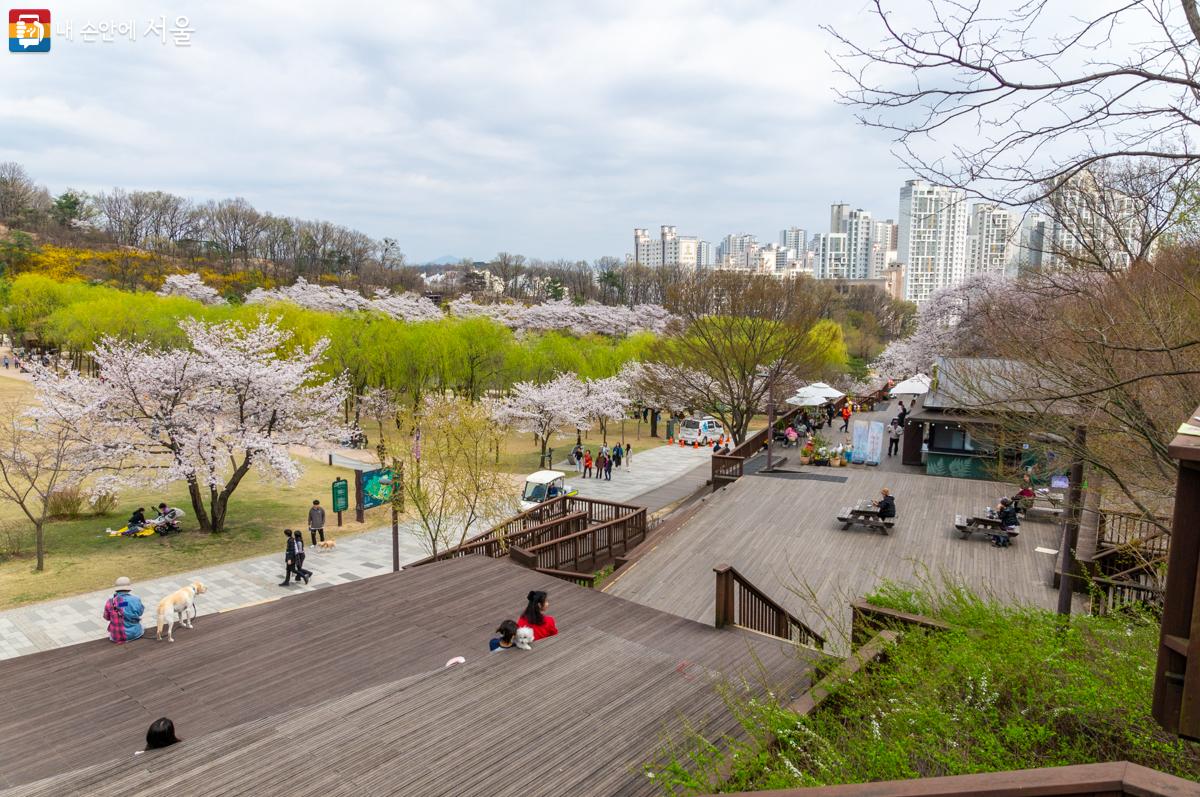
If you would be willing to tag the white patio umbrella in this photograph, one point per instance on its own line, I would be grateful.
(825, 390)
(913, 386)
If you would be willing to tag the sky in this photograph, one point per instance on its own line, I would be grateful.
(547, 128)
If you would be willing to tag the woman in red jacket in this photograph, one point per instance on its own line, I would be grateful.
(535, 616)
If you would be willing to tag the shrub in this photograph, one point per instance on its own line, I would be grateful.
(104, 502)
(15, 538)
(65, 503)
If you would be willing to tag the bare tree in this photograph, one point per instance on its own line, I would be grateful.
(36, 459)
(18, 193)
(1009, 105)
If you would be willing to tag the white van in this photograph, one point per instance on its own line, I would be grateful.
(705, 431)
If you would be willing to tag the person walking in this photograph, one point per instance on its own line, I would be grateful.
(289, 558)
(316, 522)
(846, 417)
(829, 413)
(628, 456)
(618, 454)
(895, 431)
(124, 613)
(903, 413)
(6, 362)
(587, 464)
(577, 458)
(298, 540)
(608, 466)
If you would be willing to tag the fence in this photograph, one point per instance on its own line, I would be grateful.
(593, 544)
(728, 468)
(1126, 528)
(742, 604)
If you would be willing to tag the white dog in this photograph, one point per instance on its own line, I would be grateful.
(179, 601)
(525, 638)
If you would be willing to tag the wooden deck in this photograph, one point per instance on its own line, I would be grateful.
(342, 691)
(780, 531)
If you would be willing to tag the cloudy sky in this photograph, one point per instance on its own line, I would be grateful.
(549, 128)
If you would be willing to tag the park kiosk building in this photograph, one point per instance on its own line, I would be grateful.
(957, 428)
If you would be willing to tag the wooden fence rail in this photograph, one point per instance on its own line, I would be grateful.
(742, 604)
(591, 545)
(728, 468)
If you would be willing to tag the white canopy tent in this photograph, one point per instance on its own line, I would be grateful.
(913, 386)
(814, 395)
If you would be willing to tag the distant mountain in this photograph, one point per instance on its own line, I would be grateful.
(444, 260)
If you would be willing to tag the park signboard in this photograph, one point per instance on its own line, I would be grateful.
(376, 487)
(341, 495)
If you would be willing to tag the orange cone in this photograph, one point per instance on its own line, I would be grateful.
(695, 444)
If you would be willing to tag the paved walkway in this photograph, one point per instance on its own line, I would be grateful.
(234, 585)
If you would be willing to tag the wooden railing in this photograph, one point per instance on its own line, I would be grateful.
(559, 517)
(866, 620)
(728, 468)
(1111, 779)
(591, 545)
(742, 604)
(1110, 595)
(1119, 529)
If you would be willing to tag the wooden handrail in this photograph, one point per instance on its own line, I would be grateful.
(1080, 780)
(761, 614)
(867, 619)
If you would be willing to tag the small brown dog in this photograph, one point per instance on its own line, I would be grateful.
(326, 545)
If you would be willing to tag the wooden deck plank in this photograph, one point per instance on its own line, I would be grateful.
(298, 671)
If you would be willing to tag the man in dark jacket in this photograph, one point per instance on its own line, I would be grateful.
(298, 553)
(316, 522)
(1006, 513)
(289, 559)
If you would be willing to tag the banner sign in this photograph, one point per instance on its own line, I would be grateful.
(859, 442)
(874, 443)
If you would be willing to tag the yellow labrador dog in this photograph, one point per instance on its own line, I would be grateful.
(179, 602)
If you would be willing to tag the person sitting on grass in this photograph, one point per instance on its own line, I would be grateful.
(535, 616)
(507, 632)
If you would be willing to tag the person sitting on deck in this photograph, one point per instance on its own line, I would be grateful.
(124, 613)
(886, 504)
(161, 734)
(791, 436)
(535, 616)
(507, 632)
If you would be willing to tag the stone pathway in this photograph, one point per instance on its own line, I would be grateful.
(234, 585)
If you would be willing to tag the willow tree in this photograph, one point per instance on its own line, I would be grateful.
(745, 337)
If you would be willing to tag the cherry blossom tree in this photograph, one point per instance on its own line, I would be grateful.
(543, 409)
(948, 324)
(191, 287)
(206, 414)
(332, 299)
(564, 316)
(606, 400)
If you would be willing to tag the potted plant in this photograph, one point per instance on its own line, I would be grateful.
(806, 453)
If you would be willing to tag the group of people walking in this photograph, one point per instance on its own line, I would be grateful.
(601, 466)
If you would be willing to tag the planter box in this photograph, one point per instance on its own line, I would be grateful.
(820, 462)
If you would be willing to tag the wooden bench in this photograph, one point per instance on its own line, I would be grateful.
(988, 526)
(850, 516)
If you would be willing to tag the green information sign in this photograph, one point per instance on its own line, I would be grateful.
(341, 495)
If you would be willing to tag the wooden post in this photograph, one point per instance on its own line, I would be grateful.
(359, 512)
(724, 599)
(1071, 524)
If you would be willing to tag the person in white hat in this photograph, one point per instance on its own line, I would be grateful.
(124, 613)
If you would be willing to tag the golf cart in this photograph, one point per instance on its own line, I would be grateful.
(542, 486)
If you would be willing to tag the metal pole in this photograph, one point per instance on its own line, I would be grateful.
(1070, 539)
(395, 539)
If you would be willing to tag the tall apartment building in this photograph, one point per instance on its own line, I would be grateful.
(858, 227)
(1092, 224)
(932, 238)
(704, 254)
(992, 239)
(1031, 241)
(737, 251)
(669, 249)
(794, 238)
(838, 213)
(883, 247)
(831, 257)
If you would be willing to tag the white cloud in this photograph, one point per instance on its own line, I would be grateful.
(550, 128)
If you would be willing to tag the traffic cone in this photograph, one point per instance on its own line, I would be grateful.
(682, 444)
(695, 444)
(670, 441)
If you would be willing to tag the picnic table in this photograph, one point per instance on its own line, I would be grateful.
(984, 524)
(865, 514)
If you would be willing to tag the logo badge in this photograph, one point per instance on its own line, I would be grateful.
(29, 30)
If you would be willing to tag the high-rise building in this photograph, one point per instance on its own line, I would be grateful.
(736, 251)
(858, 227)
(669, 249)
(1092, 224)
(831, 258)
(838, 213)
(1031, 241)
(992, 239)
(883, 247)
(932, 238)
(704, 254)
(794, 238)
